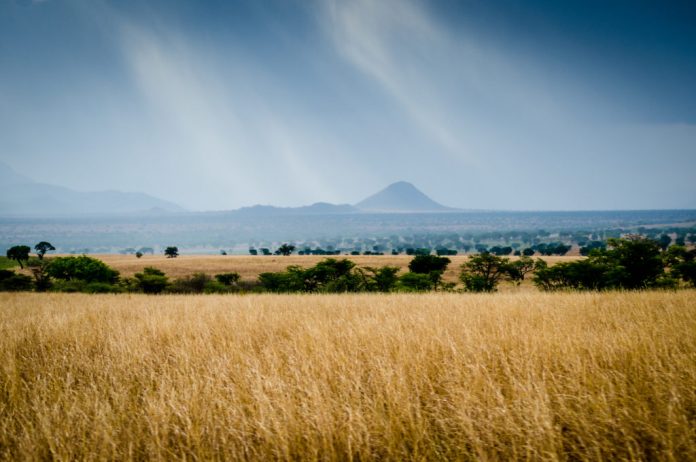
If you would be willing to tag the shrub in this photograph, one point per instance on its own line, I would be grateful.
(81, 268)
(13, 282)
(193, 284)
(227, 279)
(415, 282)
(151, 280)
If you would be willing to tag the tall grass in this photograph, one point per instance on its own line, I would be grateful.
(524, 376)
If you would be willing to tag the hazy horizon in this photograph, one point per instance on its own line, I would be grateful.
(500, 105)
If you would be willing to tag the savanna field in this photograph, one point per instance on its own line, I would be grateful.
(516, 375)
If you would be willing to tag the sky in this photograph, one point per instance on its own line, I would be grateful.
(511, 105)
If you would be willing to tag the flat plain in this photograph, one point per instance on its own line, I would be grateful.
(249, 267)
(525, 376)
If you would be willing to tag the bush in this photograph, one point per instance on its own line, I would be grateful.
(13, 282)
(382, 279)
(227, 279)
(630, 263)
(194, 284)
(415, 282)
(151, 280)
(72, 286)
(82, 268)
(330, 275)
(100, 288)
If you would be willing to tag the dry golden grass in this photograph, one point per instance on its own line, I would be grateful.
(249, 267)
(523, 376)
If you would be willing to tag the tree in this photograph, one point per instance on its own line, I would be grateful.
(286, 249)
(151, 280)
(631, 263)
(42, 280)
(253, 251)
(432, 265)
(682, 263)
(483, 272)
(138, 254)
(82, 268)
(382, 279)
(519, 268)
(227, 279)
(19, 253)
(171, 252)
(640, 257)
(43, 247)
(664, 241)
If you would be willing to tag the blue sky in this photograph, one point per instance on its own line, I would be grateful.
(482, 104)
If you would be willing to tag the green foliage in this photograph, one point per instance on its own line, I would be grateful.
(681, 263)
(19, 253)
(151, 280)
(13, 282)
(138, 254)
(227, 279)
(193, 284)
(382, 279)
(42, 247)
(286, 249)
(518, 269)
(431, 265)
(330, 275)
(586, 249)
(171, 252)
(42, 280)
(415, 282)
(639, 256)
(100, 288)
(6, 263)
(630, 263)
(81, 268)
(483, 272)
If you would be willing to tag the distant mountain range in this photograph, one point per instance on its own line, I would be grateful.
(399, 197)
(21, 196)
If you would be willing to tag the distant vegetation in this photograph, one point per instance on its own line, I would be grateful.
(629, 263)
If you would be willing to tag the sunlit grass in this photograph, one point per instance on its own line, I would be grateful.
(336, 377)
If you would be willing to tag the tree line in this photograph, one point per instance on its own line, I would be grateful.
(629, 263)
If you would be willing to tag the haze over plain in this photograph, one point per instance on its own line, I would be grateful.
(487, 105)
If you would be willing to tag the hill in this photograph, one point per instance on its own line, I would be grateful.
(21, 196)
(401, 197)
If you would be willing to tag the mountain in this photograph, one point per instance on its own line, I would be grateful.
(21, 196)
(401, 197)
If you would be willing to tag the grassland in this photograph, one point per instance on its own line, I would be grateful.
(525, 376)
(249, 267)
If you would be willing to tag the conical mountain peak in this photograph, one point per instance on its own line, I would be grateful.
(401, 196)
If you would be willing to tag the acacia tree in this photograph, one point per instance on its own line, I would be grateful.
(19, 253)
(286, 249)
(483, 272)
(43, 247)
(171, 252)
